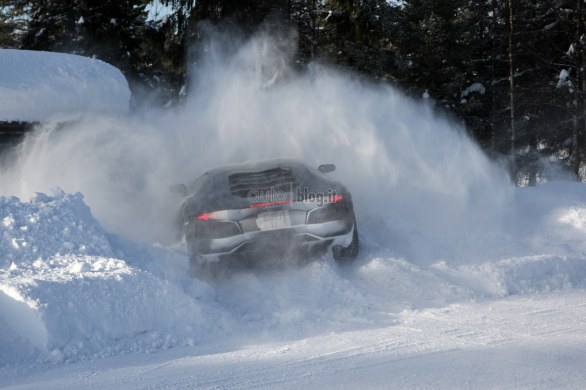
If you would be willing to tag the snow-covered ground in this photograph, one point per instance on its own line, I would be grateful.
(532, 341)
(84, 308)
(462, 281)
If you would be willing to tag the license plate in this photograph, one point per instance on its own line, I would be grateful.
(273, 220)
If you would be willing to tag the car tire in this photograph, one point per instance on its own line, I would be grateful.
(348, 254)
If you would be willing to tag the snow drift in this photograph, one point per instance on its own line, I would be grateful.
(41, 86)
(62, 290)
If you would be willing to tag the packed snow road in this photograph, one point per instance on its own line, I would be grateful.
(534, 341)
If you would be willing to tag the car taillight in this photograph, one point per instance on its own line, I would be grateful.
(333, 211)
(203, 217)
(212, 225)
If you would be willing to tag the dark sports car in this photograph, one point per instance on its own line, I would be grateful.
(267, 209)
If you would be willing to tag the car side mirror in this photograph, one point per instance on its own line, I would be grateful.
(179, 189)
(326, 168)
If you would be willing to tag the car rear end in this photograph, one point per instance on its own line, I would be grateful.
(269, 212)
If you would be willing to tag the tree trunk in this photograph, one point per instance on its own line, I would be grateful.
(575, 152)
(580, 152)
(512, 93)
(495, 51)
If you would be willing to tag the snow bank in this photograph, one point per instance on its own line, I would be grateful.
(40, 86)
(63, 293)
(49, 225)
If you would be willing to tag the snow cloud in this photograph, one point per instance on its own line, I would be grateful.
(406, 166)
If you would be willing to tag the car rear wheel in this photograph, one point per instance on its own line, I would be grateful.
(348, 254)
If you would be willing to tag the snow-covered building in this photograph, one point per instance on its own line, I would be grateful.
(37, 86)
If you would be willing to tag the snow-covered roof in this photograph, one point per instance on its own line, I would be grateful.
(40, 86)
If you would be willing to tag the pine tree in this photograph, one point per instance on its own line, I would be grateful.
(11, 23)
(435, 44)
(358, 34)
(540, 117)
(107, 29)
(570, 77)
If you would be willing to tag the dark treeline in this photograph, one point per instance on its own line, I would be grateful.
(514, 71)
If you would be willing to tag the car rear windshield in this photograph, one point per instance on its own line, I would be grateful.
(277, 179)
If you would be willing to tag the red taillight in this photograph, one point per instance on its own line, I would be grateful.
(338, 198)
(203, 217)
(267, 204)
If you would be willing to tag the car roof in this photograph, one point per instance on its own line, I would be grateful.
(256, 165)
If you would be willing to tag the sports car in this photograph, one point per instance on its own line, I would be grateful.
(273, 209)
